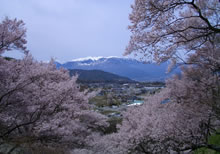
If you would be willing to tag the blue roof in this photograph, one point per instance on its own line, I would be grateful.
(165, 101)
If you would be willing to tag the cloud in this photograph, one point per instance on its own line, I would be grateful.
(72, 28)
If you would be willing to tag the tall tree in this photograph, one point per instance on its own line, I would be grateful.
(185, 113)
(39, 103)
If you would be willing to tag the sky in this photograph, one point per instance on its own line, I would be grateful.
(70, 29)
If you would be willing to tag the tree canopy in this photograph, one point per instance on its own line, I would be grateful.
(12, 35)
(185, 31)
(165, 29)
(39, 104)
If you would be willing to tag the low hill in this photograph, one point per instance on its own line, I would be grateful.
(98, 76)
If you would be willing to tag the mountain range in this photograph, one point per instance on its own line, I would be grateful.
(126, 67)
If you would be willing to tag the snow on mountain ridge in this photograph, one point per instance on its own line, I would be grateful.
(92, 58)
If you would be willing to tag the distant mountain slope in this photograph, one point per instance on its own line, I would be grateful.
(98, 76)
(126, 67)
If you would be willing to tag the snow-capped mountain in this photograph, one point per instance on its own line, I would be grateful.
(126, 67)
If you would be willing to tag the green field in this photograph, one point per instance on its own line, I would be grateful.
(214, 140)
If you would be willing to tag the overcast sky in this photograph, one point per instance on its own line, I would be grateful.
(69, 29)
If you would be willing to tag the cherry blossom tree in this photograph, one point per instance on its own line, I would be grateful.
(157, 127)
(164, 29)
(185, 113)
(37, 98)
(40, 104)
(13, 35)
